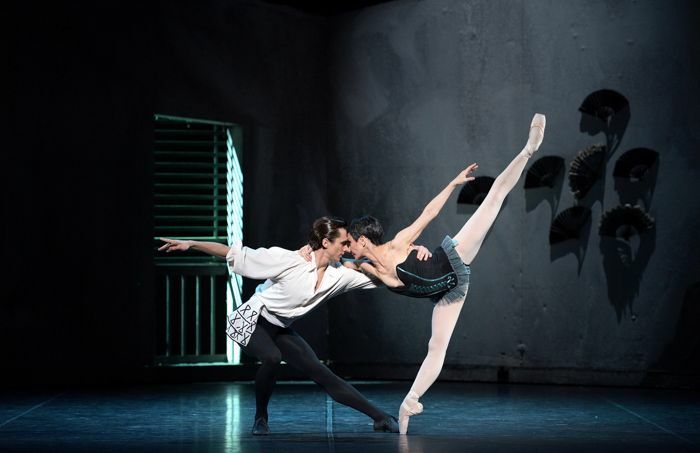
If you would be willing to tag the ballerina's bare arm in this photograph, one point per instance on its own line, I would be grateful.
(367, 267)
(423, 255)
(406, 236)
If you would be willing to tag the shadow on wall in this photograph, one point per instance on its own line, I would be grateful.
(682, 354)
(569, 233)
(543, 182)
(635, 176)
(474, 192)
(586, 175)
(628, 234)
(605, 111)
(628, 239)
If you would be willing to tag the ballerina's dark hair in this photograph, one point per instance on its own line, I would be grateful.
(325, 228)
(368, 227)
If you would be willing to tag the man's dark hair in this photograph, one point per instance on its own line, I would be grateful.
(368, 227)
(325, 228)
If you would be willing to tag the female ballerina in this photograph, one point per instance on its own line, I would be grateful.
(295, 286)
(444, 277)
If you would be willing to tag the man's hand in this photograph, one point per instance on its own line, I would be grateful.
(423, 253)
(305, 252)
(174, 245)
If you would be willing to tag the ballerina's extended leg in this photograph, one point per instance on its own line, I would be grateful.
(473, 233)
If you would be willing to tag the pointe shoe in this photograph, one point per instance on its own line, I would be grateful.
(536, 134)
(260, 427)
(388, 424)
(410, 406)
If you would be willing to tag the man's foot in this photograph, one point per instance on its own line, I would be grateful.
(260, 427)
(388, 424)
(409, 406)
(536, 134)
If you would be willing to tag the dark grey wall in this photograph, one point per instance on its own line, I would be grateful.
(420, 89)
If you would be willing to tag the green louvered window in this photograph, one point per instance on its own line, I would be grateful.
(198, 194)
(198, 179)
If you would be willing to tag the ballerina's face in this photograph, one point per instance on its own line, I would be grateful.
(355, 247)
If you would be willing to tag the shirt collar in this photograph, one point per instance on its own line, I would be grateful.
(332, 267)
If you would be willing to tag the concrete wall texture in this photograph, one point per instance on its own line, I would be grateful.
(422, 88)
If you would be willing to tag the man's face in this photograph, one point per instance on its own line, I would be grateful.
(339, 246)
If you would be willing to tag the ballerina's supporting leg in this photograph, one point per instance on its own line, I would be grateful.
(445, 317)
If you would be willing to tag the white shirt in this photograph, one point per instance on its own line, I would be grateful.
(288, 293)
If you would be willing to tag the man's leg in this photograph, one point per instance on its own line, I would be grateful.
(263, 347)
(297, 352)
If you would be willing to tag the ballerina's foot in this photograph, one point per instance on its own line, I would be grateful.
(536, 134)
(410, 406)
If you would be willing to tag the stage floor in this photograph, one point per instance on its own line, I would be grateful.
(458, 417)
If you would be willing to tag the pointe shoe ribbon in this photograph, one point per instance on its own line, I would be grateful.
(536, 134)
(410, 406)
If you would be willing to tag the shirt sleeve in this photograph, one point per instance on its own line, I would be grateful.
(261, 263)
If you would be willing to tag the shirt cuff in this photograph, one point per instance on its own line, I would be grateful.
(234, 253)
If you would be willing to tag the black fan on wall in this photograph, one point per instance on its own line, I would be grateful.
(544, 172)
(604, 105)
(569, 224)
(475, 191)
(636, 164)
(624, 222)
(586, 169)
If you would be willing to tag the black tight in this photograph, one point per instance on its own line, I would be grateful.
(270, 344)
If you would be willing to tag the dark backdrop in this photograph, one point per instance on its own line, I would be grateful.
(77, 168)
(372, 110)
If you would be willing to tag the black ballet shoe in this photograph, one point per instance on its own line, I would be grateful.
(260, 427)
(388, 424)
